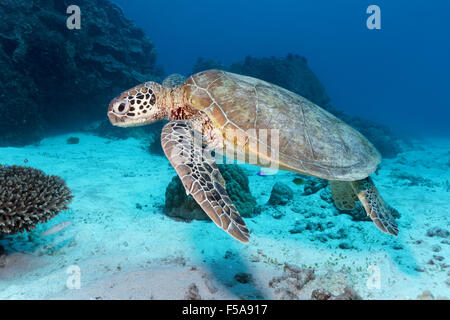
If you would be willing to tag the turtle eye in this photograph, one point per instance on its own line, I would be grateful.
(121, 107)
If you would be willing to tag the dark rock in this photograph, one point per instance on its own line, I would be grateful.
(436, 248)
(56, 79)
(320, 294)
(339, 235)
(73, 140)
(229, 254)
(178, 205)
(438, 232)
(299, 227)
(326, 196)
(193, 293)
(277, 214)
(313, 185)
(345, 245)
(242, 277)
(322, 238)
(348, 294)
(315, 226)
(419, 269)
(281, 194)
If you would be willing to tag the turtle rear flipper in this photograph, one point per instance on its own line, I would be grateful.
(187, 152)
(374, 205)
(344, 196)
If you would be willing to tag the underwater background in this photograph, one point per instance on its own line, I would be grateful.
(130, 231)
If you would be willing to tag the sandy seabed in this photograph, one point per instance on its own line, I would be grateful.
(120, 245)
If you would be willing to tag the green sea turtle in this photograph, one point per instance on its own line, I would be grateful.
(221, 111)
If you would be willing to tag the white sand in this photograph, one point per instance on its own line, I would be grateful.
(128, 253)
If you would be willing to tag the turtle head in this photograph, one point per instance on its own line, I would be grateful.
(138, 106)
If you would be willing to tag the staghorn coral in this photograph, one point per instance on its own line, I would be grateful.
(28, 196)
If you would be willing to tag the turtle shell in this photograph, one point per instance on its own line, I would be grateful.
(311, 140)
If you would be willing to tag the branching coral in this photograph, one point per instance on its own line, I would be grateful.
(28, 196)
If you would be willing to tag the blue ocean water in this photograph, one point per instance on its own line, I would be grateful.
(398, 75)
(131, 232)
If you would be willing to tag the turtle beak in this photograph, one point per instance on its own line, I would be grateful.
(115, 119)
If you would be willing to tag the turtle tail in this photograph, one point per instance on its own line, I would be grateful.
(374, 205)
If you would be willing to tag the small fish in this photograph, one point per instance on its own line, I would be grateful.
(298, 181)
(261, 174)
(57, 228)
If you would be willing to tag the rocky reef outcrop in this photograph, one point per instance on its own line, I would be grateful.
(281, 194)
(180, 206)
(54, 78)
(293, 73)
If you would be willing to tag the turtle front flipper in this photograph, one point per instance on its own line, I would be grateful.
(188, 153)
(374, 205)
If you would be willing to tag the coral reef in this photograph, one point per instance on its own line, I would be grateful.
(28, 197)
(281, 194)
(178, 205)
(73, 140)
(56, 78)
